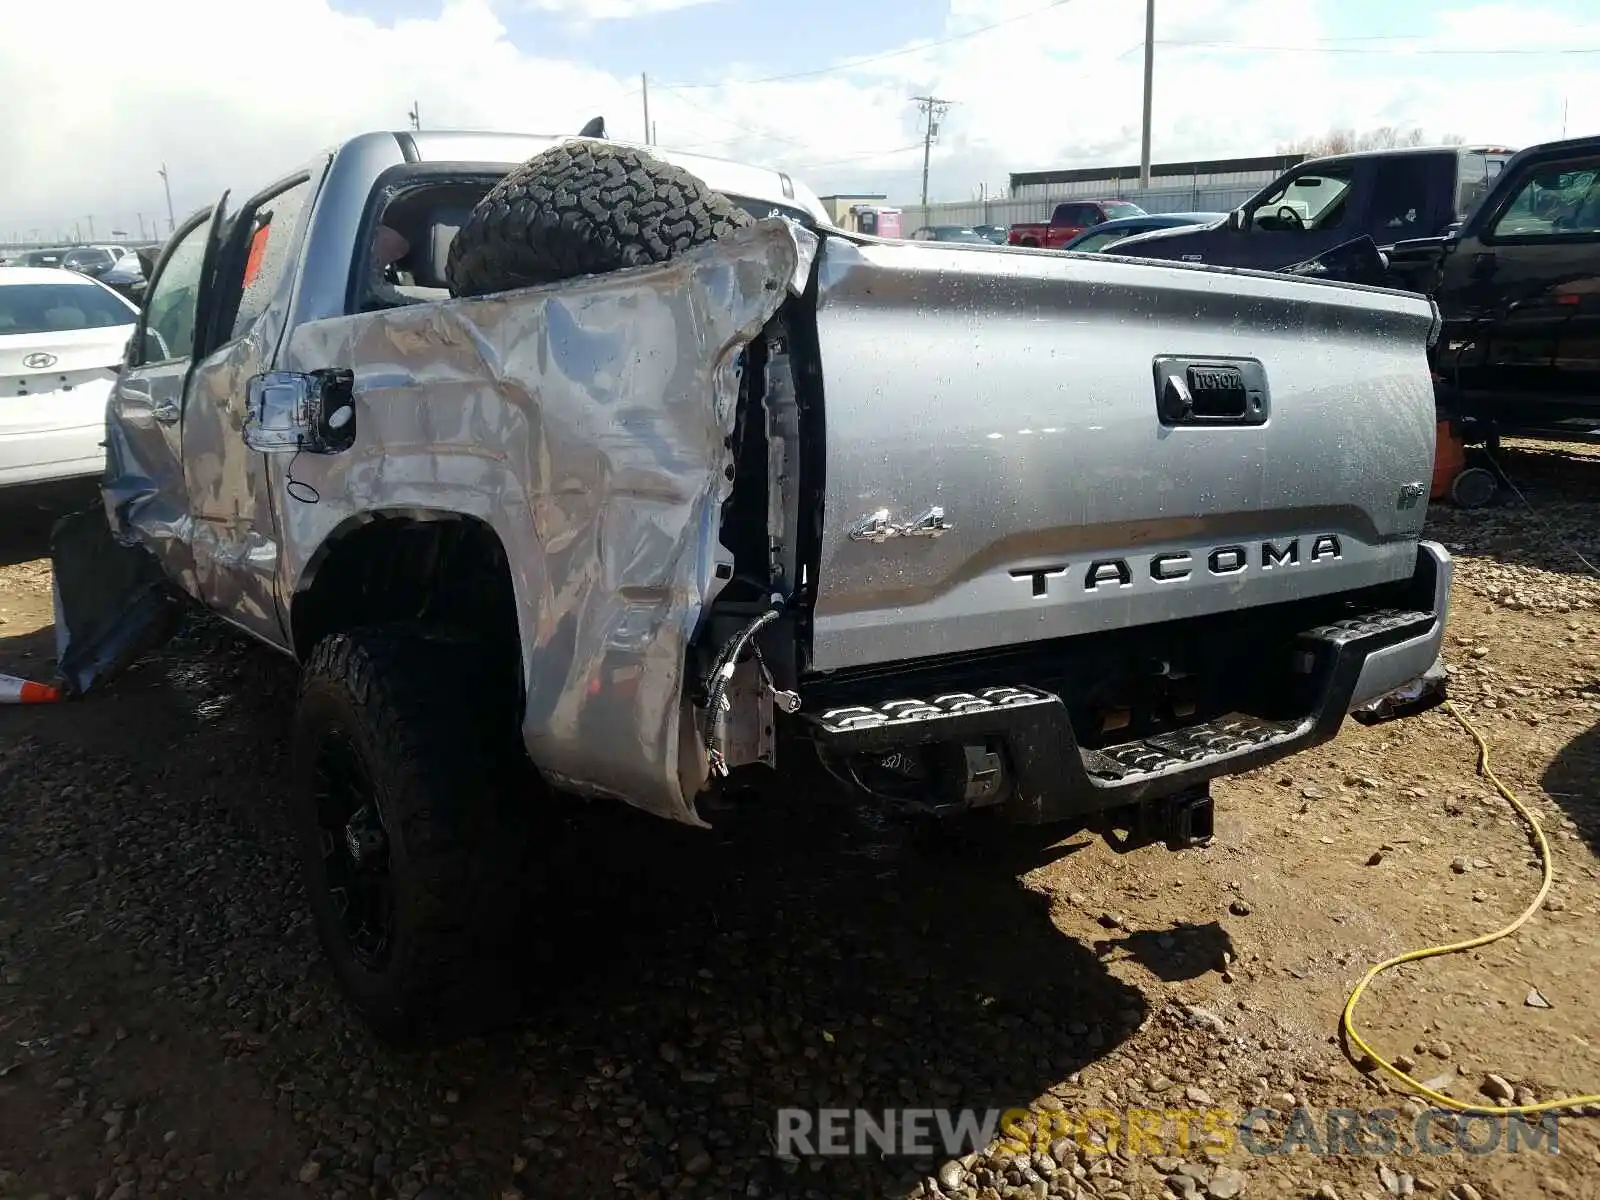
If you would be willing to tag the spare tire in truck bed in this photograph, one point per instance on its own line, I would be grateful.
(584, 208)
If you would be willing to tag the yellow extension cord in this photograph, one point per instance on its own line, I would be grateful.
(1348, 1019)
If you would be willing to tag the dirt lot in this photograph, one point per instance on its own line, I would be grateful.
(167, 1026)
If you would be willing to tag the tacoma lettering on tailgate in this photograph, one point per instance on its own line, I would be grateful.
(1174, 566)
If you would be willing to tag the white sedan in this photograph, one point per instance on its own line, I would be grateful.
(62, 339)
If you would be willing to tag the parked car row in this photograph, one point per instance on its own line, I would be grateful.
(92, 259)
(1096, 236)
(86, 260)
(976, 234)
(1106, 233)
(1069, 220)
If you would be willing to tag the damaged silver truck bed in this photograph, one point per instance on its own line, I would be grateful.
(1060, 536)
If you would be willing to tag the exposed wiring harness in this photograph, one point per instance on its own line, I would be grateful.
(721, 675)
(1347, 1021)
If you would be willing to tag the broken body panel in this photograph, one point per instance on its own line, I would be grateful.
(959, 451)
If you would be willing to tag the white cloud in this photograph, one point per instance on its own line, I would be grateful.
(228, 94)
(610, 10)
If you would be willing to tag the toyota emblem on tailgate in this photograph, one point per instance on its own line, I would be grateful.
(39, 361)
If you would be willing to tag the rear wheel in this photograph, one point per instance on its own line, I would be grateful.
(412, 813)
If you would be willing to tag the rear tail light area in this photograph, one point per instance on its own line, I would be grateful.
(38, 383)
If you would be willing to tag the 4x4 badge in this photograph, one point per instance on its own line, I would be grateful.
(878, 527)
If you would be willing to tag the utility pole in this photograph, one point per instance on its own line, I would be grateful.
(1149, 89)
(166, 182)
(644, 90)
(90, 219)
(141, 225)
(932, 109)
(415, 115)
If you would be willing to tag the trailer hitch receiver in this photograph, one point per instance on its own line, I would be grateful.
(1181, 821)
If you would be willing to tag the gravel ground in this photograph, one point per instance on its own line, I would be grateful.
(168, 1027)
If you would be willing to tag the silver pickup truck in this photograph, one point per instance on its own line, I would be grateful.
(630, 465)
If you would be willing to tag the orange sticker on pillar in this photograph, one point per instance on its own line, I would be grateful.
(258, 248)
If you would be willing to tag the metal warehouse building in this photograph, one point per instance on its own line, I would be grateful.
(1212, 175)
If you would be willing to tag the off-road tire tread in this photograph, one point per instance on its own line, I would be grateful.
(584, 208)
(432, 709)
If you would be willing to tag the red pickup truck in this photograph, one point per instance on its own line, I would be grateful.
(1069, 220)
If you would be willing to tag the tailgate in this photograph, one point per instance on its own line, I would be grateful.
(1022, 394)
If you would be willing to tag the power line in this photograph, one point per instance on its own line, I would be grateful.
(852, 64)
(855, 158)
(716, 116)
(1326, 49)
(932, 109)
(765, 135)
(800, 161)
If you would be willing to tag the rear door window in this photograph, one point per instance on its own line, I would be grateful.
(1474, 174)
(1402, 197)
(174, 299)
(88, 259)
(272, 241)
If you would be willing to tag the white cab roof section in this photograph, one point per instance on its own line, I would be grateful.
(719, 174)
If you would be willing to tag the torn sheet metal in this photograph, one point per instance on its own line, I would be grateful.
(112, 602)
(587, 424)
(143, 489)
(1428, 690)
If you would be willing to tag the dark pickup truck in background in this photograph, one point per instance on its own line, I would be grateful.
(1069, 220)
(1518, 289)
(1387, 195)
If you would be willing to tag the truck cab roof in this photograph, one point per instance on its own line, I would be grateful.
(1402, 152)
(725, 175)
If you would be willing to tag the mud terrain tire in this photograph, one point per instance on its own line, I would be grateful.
(584, 208)
(414, 730)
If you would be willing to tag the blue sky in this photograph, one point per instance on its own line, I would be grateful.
(704, 41)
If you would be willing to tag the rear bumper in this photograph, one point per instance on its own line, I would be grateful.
(1054, 778)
